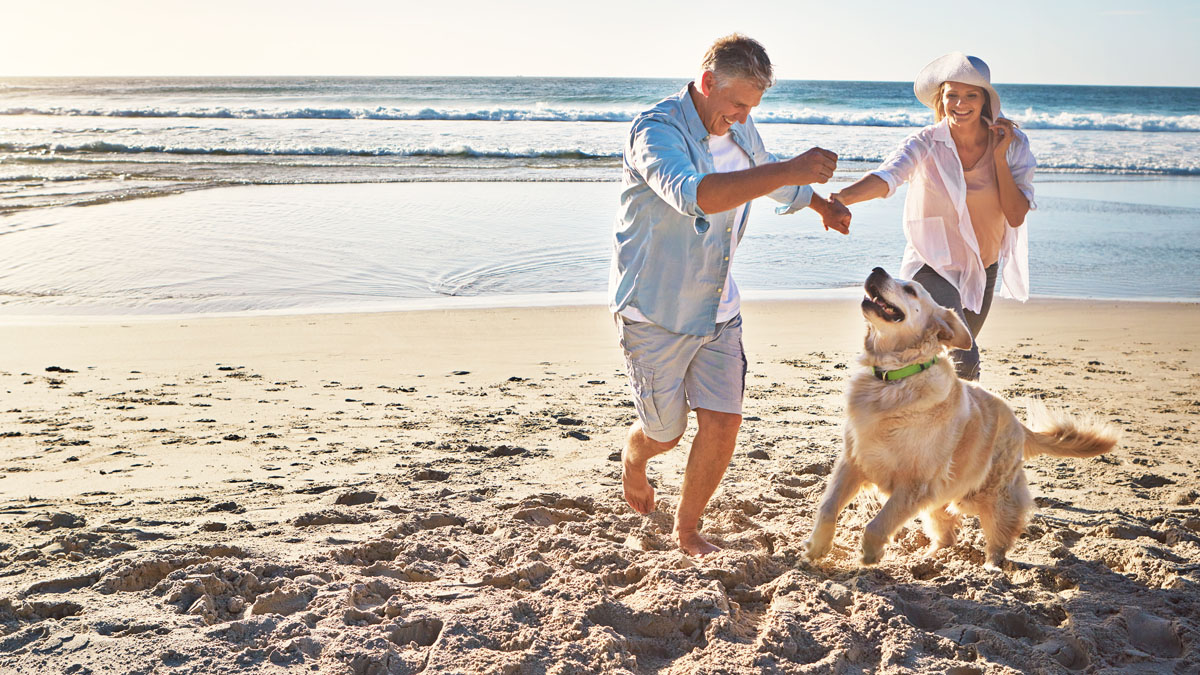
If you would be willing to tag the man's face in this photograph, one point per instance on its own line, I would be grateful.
(727, 103)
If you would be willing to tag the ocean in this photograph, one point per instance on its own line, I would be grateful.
(125, 196)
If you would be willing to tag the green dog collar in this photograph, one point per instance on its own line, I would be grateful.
(904, 372)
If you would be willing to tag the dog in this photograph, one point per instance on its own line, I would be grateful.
(931, 442)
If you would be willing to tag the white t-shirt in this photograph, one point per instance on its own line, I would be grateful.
(727, 156)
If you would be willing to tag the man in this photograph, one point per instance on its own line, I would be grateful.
(692, 164)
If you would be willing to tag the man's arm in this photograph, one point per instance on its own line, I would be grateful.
(724, 191)
(719, 192)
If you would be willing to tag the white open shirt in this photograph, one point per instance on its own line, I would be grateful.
(937, 224)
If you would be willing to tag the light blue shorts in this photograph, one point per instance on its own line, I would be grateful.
(672, 373)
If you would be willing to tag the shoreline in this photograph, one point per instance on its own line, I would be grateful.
(563, 300)
(770, 303)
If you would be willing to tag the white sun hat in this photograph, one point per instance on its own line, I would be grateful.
(955, 67)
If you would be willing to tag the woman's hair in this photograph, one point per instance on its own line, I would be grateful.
(939, 109)
(736, 57)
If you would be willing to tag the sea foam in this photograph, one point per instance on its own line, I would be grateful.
(875, 118)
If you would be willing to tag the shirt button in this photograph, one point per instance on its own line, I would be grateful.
(729, 229)
(727, 258)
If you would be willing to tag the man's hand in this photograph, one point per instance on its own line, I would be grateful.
(812, 166)
(834, 214)
(837, 217)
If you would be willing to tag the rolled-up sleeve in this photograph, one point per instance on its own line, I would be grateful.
(899, 167)
(658, 151)
(1022, 165)
(792, 197)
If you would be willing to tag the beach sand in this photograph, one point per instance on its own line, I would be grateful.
(439, 491)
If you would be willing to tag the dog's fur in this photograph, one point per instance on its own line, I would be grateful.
(934, 443)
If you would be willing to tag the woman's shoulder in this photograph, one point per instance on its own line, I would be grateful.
(930, 132)
(1020, 142)
(923, 138)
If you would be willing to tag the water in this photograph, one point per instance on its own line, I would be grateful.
(374, 192)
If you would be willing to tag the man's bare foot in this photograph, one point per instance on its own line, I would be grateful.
(693, 544)
(638, 491)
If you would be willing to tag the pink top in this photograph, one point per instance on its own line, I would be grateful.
(983, 204)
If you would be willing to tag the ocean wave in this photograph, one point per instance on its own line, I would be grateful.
(1052, 164)
(1077, 167)
(29, 177)
(874, 118)
(1113, 122)
(379, 113)
(49, 152)
(454, 151)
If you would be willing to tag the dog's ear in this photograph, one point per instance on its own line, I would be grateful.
(951, 329)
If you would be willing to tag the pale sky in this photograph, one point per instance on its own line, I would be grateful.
(1124, 42)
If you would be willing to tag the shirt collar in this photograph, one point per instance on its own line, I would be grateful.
(695, 125)
(739, 136)
(691, 117)
(941, 132)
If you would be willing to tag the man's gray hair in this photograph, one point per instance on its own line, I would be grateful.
(739, 57)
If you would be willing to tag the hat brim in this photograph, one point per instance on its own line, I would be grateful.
(953, 67)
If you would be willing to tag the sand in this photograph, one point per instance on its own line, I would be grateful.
(440, 492)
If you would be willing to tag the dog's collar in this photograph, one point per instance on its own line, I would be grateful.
(901, 373)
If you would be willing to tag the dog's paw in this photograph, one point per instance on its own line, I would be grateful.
(995, 565)
(814, 550)
(871, 554)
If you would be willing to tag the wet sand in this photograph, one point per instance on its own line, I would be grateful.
(440, 492)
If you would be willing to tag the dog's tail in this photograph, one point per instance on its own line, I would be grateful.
(1062, 435)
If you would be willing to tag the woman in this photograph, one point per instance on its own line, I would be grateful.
(972, 185)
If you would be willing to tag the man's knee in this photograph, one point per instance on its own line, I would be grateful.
(638, 435)
(721, 422)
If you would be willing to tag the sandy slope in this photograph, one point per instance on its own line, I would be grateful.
(439, 492)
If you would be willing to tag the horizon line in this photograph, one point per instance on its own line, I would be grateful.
(564, 77)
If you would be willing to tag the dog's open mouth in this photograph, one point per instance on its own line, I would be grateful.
(874, 302)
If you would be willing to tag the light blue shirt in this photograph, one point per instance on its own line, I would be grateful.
(670, 258)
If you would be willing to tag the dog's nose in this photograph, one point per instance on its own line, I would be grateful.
(878, 270)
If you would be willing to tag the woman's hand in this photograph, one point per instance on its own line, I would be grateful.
(1003, 131)
(834, 214)
(1012, 201)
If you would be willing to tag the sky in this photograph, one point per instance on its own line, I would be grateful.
(1118, 42)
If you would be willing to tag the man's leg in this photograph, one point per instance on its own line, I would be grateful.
(639, 448)
(657, 361)
(716, 437)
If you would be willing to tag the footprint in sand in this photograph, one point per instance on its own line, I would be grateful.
(1151, 634)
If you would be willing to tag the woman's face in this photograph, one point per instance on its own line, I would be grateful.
(963, 103)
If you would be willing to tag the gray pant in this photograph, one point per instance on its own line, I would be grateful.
(966, 362)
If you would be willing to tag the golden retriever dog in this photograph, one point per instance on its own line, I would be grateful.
(931, 442)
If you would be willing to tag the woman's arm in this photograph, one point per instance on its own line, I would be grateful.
(1012, 201)
(894, 172)
(866, 188)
